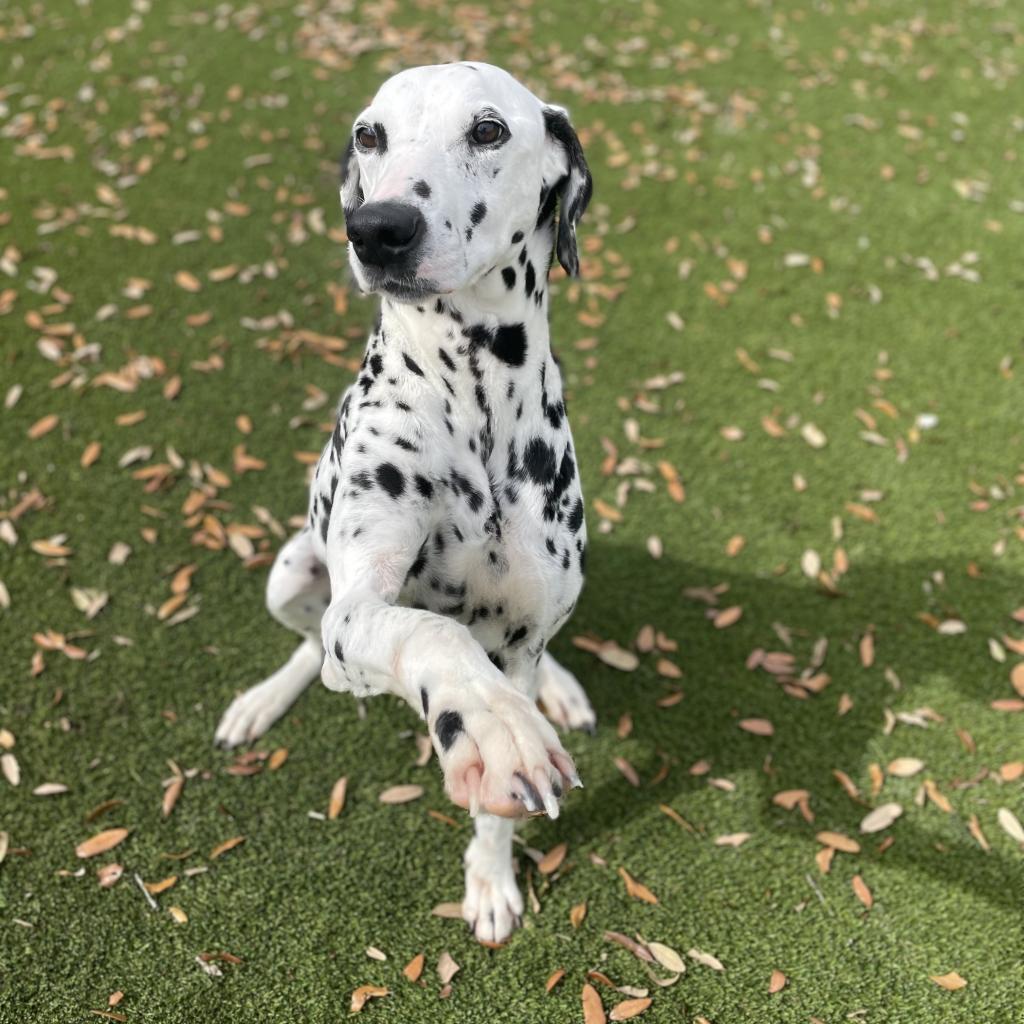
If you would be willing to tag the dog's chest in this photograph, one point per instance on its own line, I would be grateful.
(478, 455)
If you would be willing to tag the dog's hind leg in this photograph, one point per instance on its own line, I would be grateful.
(298, 591)
(563, 698)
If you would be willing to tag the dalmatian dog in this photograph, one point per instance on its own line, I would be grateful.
(445, 543)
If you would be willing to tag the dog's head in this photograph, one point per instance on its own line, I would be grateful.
(445, 168)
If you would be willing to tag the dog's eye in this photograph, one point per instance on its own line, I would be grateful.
(486, 133)
(366, 137)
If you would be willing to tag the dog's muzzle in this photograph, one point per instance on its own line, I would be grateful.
(387, 236)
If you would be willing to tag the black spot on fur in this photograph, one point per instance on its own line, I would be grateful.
(575, 520)
(382, 138)
(425, 701)
(391, 479)
(539, 461)
(531, 279)
(426, 488)
(508, 275)
(422, 189)
(338, 652)
(412, 364)
(478, 213)
(497, 661)
(448, 727)
(509, 344)
(517, 237)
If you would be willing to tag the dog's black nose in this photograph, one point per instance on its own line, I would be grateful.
(385, 234)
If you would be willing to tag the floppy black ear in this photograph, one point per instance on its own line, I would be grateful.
(351, 190)
(573, 188)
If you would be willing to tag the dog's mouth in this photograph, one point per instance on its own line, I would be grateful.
(404, 289)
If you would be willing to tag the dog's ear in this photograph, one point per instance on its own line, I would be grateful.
(567, 178)
(351, 190)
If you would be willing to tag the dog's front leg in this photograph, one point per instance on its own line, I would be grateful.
(497, 751)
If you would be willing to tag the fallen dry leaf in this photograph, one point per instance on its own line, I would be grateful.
(880, 818)
(593, 1011)
(447, 968)
(362, 995)
(861, 891)
(950, 982)
(757, 726)
(905, 767)
(1010, 824)
(401, 794)
(637, 889)
(577, 914)
(629, 1008)
(337, 801)
(667, 957)
(838, 841)
(555, 978)
(229, 844)
(101, 842)
(707, 959)
(414, 968)
(552, 860)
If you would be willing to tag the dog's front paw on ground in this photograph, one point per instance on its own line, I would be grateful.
(493, 905)
(498, 753)
(564, 700)
(250, 715)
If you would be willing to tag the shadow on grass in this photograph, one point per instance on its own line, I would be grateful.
(953, 674)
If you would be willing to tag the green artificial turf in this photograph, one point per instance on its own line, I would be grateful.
(866, 151)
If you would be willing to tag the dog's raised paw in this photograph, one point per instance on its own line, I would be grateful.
(499, 754)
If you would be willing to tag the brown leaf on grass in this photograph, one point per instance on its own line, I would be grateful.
(109, 1015)
(1017, 678)
(823, 858)
(629, 1008)
(672, 813)
(414, 968)
(733, 839)
(101, 842)
(637, 889)
(867, 649)
(727, 617)
(229, 844)
(401, 794)
(861, 891)
(43, 426)
(337, 801)
(555, 978)
(777, 982)
(707, 959)
(50, 789)
(1010, 824)
(447, 968)
(847, 783)
(974, 827)
(667, 957)
(362, 995)
(277, 758)
(552, 860)
(905, 767)
(757, 726)
(155, 888)
(950, 982)
(880, 818)
(90, 454)
(838, 841)
(627, 770)
(171, 794)
(634, 947)
(448, 911)
(937, 797)
(790, 798)
(188, 282)
(577, 914)
(109, 874)
(179, 915)
(593, 1010)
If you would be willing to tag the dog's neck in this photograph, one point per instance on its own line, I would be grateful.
(505, 310)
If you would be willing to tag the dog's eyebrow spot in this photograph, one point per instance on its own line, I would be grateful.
(382, 138)
(478, 213)
(422, 189)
